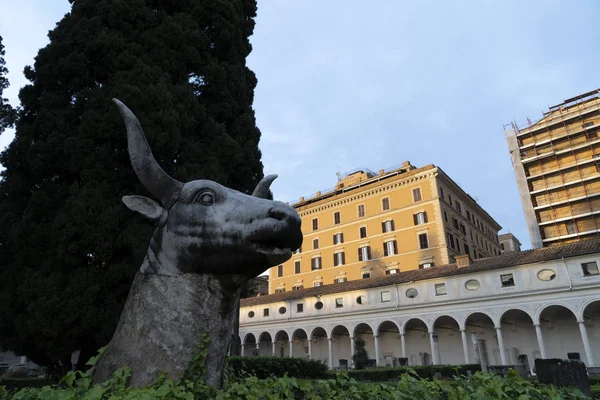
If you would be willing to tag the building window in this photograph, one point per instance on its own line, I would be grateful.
(361, 211)
(502, 246)
(364, 253)
(317, 284)
(391, 271)
(265, 312)
(315, 224)
(299, 250)
(426, 265)
(455, 223)
(385, 203)
(361, 300)
(315, 244)
(441, 192)
(297, 287)
(315, 263)
(588, 124)
(339, 259)
(457, 245)
(300, 307)
(339, 302)
(366, 275)
(297, 267)
(440, 289)
(251, 314)
(546, 275)
(336, 217)
(279, 290)
(386, 297)
(445, 216)
(462, 229)
(338, 238)
(467, 250)
(387, 226)
(390, 248)
(340, 280)
(468, 215)
(472, 284)
(590, 268)
(450, 239)
(319, 305)
(423, 241)
(416, 195)
(363, 232)
(507, 280)
(282, 310)
(280, 270)
(420, 218)
(458, 207)
(412, 293)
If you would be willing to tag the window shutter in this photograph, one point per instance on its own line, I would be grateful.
(368, 252)
(343, 258)
(392, 223)
(312, 263)
(415, 219)
(395, 247)
(425, 216)
(360, 258)
(342, 237)
(383, 227)
(385, 250)
(335, 260)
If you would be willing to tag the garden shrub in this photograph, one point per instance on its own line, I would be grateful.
(265, 367)
(423, 372)
(77, 385)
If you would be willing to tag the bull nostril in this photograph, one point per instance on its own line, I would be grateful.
(277, 214)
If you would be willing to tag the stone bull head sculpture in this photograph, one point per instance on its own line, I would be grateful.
(210, 240)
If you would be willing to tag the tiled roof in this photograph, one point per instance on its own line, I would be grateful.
(509, 259)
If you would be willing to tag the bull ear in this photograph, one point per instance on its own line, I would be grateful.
(145, 206)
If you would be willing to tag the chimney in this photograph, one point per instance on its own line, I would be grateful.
(381, 172)
(464, 260)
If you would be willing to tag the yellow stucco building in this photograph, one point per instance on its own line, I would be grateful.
(373, 224)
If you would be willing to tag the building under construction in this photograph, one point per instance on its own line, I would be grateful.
(556, 161)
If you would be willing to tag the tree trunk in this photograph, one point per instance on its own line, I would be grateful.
(162, 324)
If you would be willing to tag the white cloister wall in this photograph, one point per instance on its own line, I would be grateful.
(529, 302)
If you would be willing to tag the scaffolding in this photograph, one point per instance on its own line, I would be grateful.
(557, 165)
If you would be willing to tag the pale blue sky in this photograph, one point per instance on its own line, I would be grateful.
(343, 84)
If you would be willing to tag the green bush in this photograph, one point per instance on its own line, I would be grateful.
(265, 367)
(340, 387)
(18, 383)
(423, 372)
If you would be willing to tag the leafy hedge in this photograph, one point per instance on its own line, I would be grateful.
(423, 372)
(340, 387)
(265, 367)
(18, 383)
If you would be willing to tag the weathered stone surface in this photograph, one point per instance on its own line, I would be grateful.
(210, 240)
(162, 324)
(563, 373)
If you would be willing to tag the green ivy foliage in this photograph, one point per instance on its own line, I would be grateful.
(77, 385)
(266, 367)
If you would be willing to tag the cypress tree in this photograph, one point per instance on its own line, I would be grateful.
(360, 357)
(68, 247)
(7, 113)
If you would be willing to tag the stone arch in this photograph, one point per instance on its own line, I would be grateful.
(363, 325)
(546, 306)
(262, 336)
(558, 321)
(584, 306)
(408, 320)
(299, 339)
(390, 345)
(437, 318)
(247, 336)
(281, 340)
(378, 328)
(298, 330)
(473, 313)
(318, 330)
(505, 310)
(319, 344)
(447, 340)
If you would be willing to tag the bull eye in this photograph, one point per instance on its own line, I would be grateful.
(206, 197)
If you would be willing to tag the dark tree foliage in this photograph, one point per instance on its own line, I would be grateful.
(360, 357)
(68, 247)
(7, 113)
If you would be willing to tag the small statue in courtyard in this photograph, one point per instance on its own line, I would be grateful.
(209, 241)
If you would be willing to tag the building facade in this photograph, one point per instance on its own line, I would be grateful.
(504, 310)
(377, 224)
(509, 242)
(556, 164)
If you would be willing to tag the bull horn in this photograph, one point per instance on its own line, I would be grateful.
(150, 174)
(262, 189)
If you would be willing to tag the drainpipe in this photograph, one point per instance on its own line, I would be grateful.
(568, 275)
(397, 296)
